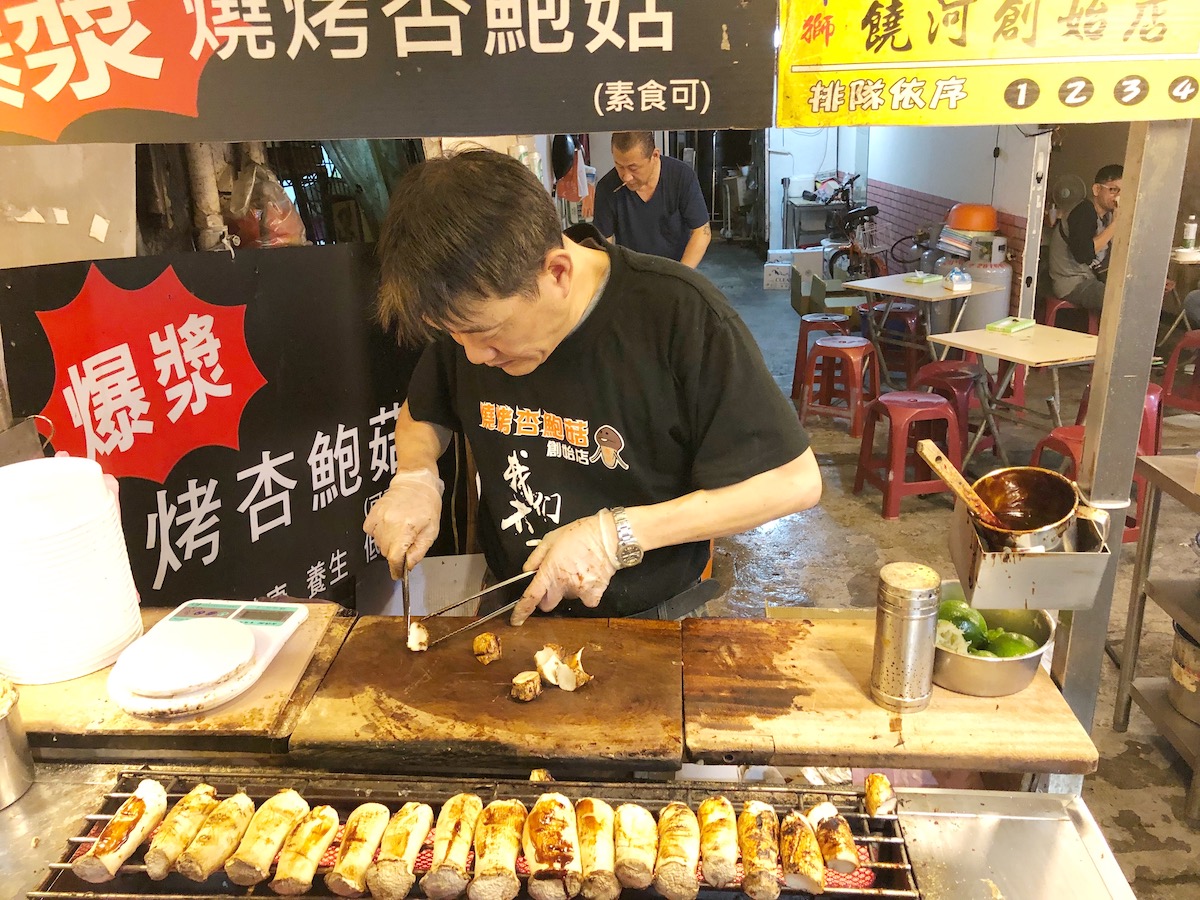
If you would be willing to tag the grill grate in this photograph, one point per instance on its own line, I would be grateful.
(881, 836)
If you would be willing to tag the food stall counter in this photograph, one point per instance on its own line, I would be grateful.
(796, 692)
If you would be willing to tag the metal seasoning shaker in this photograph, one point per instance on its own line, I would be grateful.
(905, 634)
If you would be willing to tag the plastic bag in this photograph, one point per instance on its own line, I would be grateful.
(260, 212)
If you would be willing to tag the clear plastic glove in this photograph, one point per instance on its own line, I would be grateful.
(577, 560)
(405, 521)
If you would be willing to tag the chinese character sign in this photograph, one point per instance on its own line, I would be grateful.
(144, 376)
(63, 59)
(425, 66)
(971, 62)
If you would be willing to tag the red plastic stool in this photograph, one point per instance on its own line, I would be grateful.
(904, 318)
(911, 415)
(1187, 394)
(838, 370)
(1055, 305)
(1067, 442)
(954, 380)
(813, 323)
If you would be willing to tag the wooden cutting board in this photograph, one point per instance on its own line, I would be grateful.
(384, 708)
(797, 693)
(79, 714)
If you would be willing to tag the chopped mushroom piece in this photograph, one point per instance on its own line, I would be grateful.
(526, 686)
(418, 637)
(486, 647)
(575, 664)
(548, 660)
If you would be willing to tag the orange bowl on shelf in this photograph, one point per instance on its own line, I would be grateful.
(972, 217)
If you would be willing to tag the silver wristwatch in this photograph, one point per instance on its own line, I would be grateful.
(629, 551)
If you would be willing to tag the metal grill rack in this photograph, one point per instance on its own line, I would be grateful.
(880, 835)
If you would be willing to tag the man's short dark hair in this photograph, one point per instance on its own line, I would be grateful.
(1109, 173)
(625, 141)
(460, 229)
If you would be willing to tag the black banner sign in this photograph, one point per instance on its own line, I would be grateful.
(233, 70)
(279, 507)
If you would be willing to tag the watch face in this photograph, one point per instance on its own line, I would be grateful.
(630, 555)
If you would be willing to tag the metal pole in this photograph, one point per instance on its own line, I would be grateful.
(1033, 224)
(6, 413)
(1154, 164)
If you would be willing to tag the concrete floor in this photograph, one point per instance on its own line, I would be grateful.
(830, 556)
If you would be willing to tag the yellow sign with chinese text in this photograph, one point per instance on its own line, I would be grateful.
(974, 62)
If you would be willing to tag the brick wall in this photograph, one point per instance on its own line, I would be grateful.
(902, 211)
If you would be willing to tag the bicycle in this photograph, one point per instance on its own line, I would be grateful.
(856, 228)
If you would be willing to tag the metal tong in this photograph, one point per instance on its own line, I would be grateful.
(469, 626)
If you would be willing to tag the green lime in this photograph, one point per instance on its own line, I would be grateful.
(987, 653)
(993, 633)
(1012, 644)
(950, 638)
(967, 619)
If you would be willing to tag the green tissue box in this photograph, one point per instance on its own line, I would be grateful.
(1010, 324)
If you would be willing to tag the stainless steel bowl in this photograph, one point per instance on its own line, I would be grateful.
(985, 676)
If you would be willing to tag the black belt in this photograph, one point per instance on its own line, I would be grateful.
(686, 601)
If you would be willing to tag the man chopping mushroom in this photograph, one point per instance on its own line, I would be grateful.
(619, 411)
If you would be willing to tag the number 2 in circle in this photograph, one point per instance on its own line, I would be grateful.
(1076, 91)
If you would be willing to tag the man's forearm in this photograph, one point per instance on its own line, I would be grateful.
(419, 445)
(696, 246)
(703, 515)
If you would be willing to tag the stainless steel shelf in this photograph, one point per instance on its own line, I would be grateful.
(1182, 733)
(1179, 598)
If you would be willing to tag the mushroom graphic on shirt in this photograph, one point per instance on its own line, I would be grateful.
(609, 445)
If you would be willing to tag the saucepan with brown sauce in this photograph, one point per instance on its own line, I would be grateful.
(1037, 507)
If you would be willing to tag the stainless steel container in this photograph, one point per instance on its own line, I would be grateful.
(905, 634)
(985, 676)
(1183, 688)
(16, 762)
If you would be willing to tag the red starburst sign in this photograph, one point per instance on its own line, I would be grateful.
(60, 61)
(142, 377)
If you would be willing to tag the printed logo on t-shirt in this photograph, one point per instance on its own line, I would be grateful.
(609, 445)
(565, 438)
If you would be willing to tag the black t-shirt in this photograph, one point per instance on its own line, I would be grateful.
(661, 225)
(1083, 224)
(659, 392)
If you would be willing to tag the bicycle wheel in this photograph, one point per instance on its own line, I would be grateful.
(840, 266)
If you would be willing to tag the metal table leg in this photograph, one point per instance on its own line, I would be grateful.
(987, 405)
(1137, 609)
(1056, 399)
(1181, 317)
(1191, 802)
(873, 333)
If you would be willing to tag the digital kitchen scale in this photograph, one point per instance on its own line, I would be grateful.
(205, 653)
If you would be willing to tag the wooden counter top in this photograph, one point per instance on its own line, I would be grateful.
(384, 708)
(797, 692)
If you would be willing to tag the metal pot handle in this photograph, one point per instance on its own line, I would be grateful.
(1098, 517)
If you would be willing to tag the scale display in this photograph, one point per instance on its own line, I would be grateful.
(201, 655)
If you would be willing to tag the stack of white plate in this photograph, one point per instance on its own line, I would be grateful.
(68, 605)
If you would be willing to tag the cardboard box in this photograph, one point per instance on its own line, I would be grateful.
(777, 276)
(1026, 580)
(805, 264)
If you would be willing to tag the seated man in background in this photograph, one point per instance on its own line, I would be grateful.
(652, 203)
(1080, 243)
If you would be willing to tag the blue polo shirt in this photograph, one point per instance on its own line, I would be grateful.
(661, 225)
